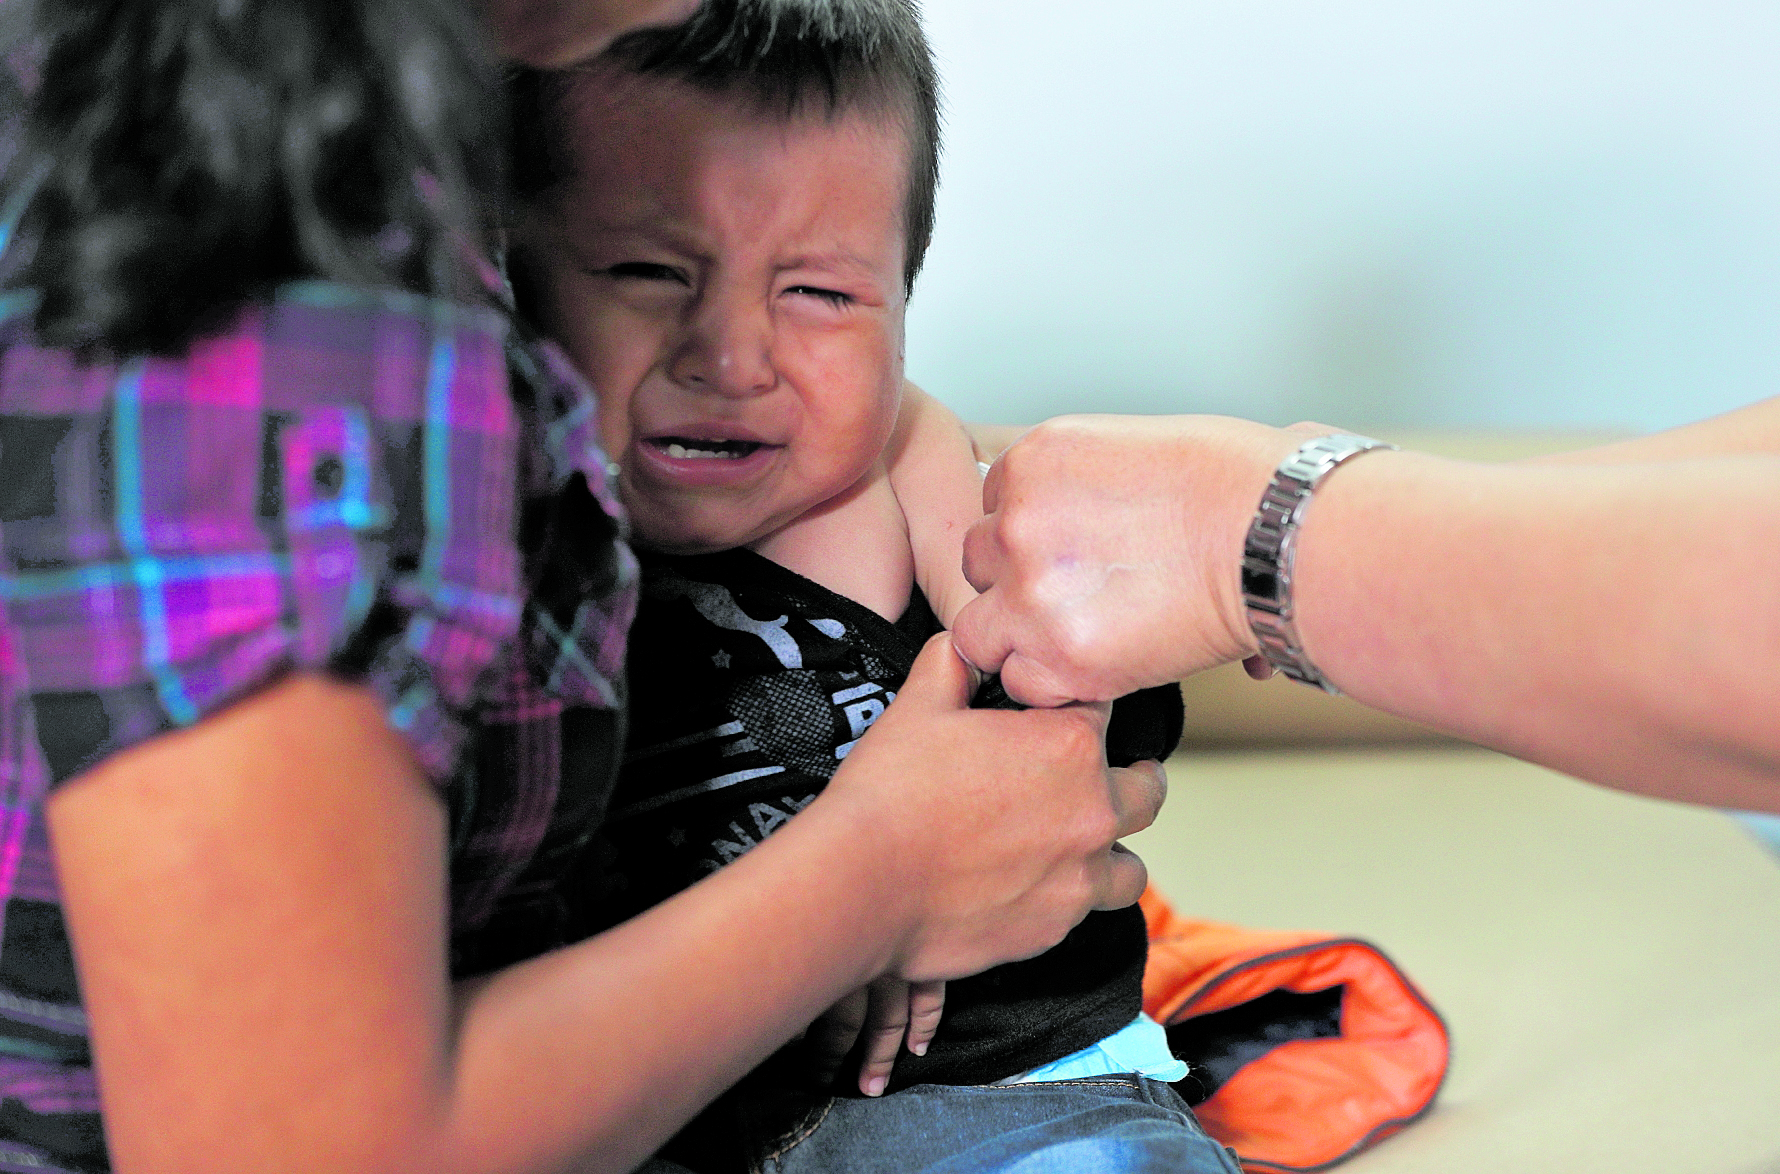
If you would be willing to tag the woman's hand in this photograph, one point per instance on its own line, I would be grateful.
(1109, 557)
(992, 832)
(1572, 611)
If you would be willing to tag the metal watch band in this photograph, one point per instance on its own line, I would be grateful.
(1272, 546)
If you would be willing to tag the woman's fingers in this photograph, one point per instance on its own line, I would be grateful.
(996, 826)
(1109, 557)
(984, 557)
(1138, 792)
(941, 681)
(1126, 878)
(983, 646)
(1035, 680)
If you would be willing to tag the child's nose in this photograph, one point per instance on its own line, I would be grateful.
(727, 351)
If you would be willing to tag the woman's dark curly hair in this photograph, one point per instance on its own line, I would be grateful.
(199, 152)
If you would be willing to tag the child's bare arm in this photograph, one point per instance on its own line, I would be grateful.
(934, 474)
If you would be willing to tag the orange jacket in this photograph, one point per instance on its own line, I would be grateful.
(1323, 1047)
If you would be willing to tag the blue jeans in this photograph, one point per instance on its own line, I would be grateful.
(1096, 1125)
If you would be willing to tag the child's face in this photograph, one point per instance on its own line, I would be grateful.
(732, 284)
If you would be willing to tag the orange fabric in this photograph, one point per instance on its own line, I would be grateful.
(1306, 1104)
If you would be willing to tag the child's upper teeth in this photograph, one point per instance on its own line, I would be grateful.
(680, 451)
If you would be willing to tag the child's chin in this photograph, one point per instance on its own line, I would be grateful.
(679, 540)
(672, 532)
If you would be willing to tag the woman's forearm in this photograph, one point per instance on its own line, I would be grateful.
(1619, 621)
(259, 920)
(258, 917)
(1746, 431)
(642, 1026)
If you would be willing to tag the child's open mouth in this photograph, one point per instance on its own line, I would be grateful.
(685, 448)
(694, 461)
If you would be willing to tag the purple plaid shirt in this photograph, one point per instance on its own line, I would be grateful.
(391, 489)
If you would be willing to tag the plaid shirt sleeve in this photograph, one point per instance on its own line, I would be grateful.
(337, 482)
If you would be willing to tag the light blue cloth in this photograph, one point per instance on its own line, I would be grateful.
(1140, 1047)
(1762, 826)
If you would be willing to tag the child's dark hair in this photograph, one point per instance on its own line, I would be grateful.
(199, 152)
(786, 55)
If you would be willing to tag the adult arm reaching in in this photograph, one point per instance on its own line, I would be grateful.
(1613, 613)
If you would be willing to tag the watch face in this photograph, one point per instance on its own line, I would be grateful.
(1262, 583)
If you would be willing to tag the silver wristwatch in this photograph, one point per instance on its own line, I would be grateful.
(1272, 546)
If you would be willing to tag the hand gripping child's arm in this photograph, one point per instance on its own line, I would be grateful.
(934, 474)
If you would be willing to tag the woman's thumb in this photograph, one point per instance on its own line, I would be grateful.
(940, 680)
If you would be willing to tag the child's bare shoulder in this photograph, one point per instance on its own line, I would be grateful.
(939, 490)
(855, 545)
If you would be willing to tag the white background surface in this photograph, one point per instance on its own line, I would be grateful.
(1381, 212)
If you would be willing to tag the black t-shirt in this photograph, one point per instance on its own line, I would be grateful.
(749, 685)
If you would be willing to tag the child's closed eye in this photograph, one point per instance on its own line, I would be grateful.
(833, 297)
(645, 271)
